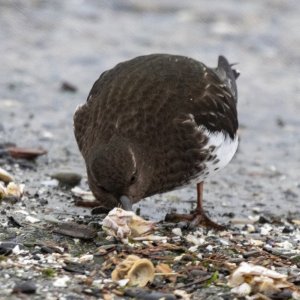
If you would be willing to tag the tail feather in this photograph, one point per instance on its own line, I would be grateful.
(228, 74)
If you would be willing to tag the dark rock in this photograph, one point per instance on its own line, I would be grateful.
(26, 287)
(143, 294)
(76, 231)
(68, 87)
(75, 267)
(100, 210)
(264, 220)
(7, 247)
(50, 249)
(288, 229)
(251, 253)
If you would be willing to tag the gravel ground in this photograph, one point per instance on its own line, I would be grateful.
(46, 43)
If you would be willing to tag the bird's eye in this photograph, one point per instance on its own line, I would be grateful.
(133, 178)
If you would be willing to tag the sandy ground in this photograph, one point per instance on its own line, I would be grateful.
(44, 43)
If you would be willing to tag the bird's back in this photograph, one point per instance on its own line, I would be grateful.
(159, 101)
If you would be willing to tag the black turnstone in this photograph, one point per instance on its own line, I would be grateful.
(157, 123)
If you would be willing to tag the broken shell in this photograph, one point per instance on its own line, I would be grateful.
(5, 176)
(257, 279)
(122, 224)
(12, 190)
(2, 191)
(26, 153)
(139, 271)
(15, 190)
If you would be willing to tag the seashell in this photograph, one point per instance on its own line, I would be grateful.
(139, 271)
(2, 191)
(15, 190)
(26, 153)
(5, 176)
(12, 190)
(122, 224)
(249, 278)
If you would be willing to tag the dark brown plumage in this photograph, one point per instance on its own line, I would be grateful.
(147, 125)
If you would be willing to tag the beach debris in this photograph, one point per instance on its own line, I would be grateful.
(84, 195)
(5, 176)
(123, 224)
(75, 230)
(139, 293)
(12, 190)
(61, 281)
(25, 287)
(252, 279)
(138, 271)
(68, 178)
(26, 153)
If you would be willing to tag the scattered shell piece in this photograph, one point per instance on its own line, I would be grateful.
(5, 176)
(122, 224)
(31, 219)
(12, 190)
(26, 153)
(138, 270)
(61, 281)
(177, 231)
(84, 195)
(251, 279)
(182, 294)
(165, 270)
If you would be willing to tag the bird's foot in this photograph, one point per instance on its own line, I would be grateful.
(195, 219)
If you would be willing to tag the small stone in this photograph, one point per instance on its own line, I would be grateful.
(288, 229)
(263, 220)
(26, 287)
(68, 87)
(6, 248)
(68, 178)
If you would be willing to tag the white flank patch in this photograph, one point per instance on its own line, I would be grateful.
(225, 149)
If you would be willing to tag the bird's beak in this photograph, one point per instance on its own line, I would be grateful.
(126, 203)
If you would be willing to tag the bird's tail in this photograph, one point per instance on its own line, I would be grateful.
(228, 74)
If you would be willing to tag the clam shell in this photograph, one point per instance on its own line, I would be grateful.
(138, 270)
(122, 224)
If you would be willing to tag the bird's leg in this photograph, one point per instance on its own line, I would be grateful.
(198, 217)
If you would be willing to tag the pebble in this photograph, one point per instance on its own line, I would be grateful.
(6, 248)
(26, 287)
(68, 178)
(148, 295)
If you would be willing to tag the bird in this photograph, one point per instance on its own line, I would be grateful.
(157, 123)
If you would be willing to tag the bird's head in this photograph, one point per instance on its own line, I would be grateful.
(118, 173)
